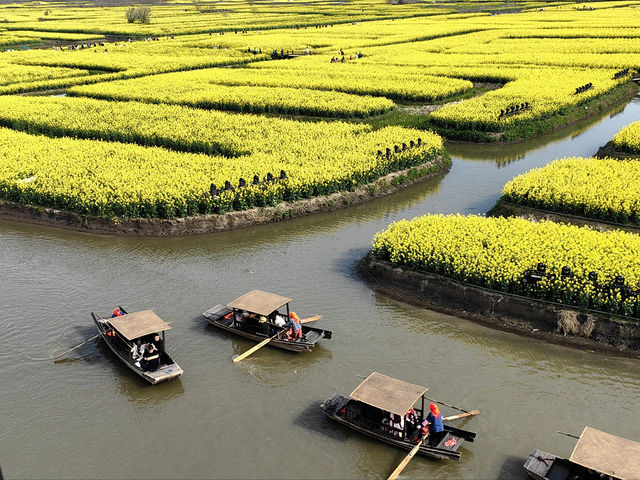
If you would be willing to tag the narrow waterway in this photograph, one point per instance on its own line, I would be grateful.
(90, 417)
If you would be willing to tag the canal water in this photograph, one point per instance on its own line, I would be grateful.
(89, 417)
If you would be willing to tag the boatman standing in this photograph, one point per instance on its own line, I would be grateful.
(433, 425)
(295, 329)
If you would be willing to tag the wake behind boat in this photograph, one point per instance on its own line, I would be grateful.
(131, 336)
(259, 315)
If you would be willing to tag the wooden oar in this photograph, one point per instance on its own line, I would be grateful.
(446, 404)
(569, 434)
(264, 342)
(407, 459)
(462, 415)
(77, 346)
(415, 449)
(253, 349)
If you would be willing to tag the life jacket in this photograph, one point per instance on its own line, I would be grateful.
(117, 312)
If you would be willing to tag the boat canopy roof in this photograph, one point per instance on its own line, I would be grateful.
(388, 394)
(138, 324)
(608, 454)
(257, 301)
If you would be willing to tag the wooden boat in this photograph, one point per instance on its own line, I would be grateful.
(122, 333)
(596, 456)
(256, 304)
(368, 408)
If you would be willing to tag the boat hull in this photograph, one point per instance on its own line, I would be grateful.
(215, 316)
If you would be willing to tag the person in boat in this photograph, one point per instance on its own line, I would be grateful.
(398, 425)
(116, 313)
(157, 341)
(263, 326)
(294, 332)
(151, 358)
(411, 420)
(137, 351)
(279, 320)
(432, 425)
(239, 318)
(393, 424)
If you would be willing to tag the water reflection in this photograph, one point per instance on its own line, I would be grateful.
(527, 354)
(511, 469)
(142, 394)
(312, 418)
(135, 389)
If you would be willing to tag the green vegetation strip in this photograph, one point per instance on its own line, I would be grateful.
(628, 139)
(605, 189)
(126, 180)
(504, 254)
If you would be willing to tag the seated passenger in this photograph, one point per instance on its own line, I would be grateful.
(398, 426)
(411, 420)
(137, 351)
(158, 343)
(263, 326)
(116, 313)
(279, 320)
(151, 358)
(239, 319)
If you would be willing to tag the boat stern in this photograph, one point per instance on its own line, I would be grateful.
(164, 373)
(538, 464)
(332, 405)
(216, 313)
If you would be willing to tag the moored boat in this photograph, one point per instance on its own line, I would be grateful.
(125, 335)
(596, 456)
(259, 315)
(370, 410)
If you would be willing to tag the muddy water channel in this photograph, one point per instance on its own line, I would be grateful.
(89, 417)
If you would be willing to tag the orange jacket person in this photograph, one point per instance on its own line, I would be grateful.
(295, 329)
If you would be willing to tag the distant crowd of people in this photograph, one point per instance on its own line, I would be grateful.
(341, 58)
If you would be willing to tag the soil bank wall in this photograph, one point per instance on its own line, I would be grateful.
(548, 321)
(507, 209)
(199, 224)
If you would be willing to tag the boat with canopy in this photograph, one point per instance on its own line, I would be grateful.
(378, 407)
(259, 315)
(125, 335)
(597, 455)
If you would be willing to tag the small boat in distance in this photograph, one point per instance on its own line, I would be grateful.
(126, 333)
(256, 315)
(370, 410)
(596, 456)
